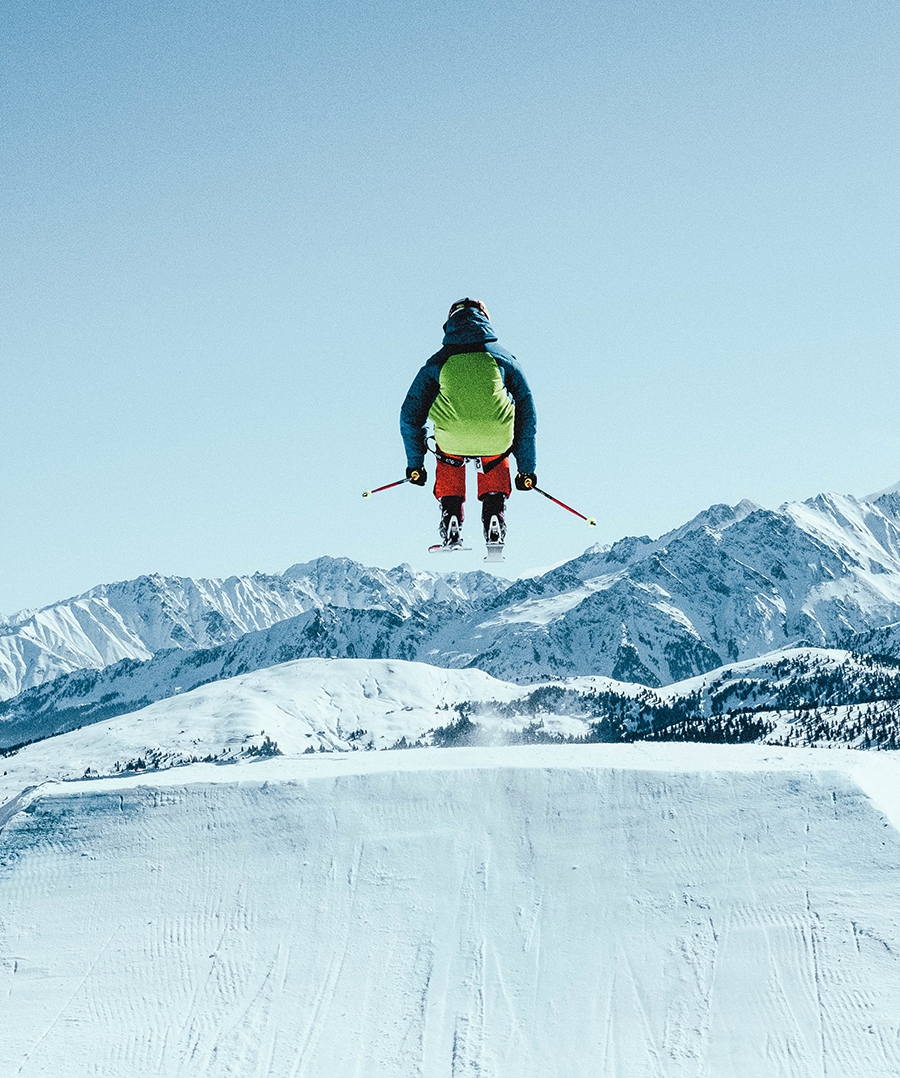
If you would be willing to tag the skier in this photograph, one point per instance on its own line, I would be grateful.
(481, 407)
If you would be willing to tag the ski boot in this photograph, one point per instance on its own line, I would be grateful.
(492, 506)
(451, 524)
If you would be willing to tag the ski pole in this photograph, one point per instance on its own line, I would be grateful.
(591, 520)
(387, 486)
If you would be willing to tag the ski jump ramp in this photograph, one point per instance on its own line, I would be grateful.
(645, 911)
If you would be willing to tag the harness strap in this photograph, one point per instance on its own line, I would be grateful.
(460, 462)
(453, 462)
(491, 464)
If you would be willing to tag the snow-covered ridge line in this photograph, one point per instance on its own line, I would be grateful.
(296, 708)
(137, 619)
(87, 697)
(879, 494)
(732, 584)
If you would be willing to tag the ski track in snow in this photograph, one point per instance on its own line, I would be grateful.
(455, 914)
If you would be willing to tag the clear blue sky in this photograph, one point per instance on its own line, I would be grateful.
(229, 234)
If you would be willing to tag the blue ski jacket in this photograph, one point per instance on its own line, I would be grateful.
(482, 409)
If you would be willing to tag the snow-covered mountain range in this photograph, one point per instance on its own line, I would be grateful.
(138, 618)
(731, 585)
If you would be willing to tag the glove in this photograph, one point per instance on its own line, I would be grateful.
(526, 481)
(417, 476)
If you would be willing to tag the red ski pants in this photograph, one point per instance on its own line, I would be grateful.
(450, 480)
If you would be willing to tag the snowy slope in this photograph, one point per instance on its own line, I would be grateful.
(790, 678)
(795, 697)
(783, 680)
(642, 912)
(884, 641)
(340, 704)
(88, 696)
(894, 488)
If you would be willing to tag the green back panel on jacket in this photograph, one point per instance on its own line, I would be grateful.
(473, 414)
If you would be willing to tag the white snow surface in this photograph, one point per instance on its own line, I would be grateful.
(308, 703)
(345, 705)
(664, 910)
(636, 911)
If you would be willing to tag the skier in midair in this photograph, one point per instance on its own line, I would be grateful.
(476, 396)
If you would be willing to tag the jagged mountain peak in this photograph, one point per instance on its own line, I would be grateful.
(419, 586)
(889, 504)
(715, 519)
(842, 522)
(733, 583)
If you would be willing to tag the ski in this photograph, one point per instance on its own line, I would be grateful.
(494, 532)
(447, 548)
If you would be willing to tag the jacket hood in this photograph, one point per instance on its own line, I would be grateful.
(468, 326)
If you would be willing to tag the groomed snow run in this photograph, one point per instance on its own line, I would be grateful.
(625, 911)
